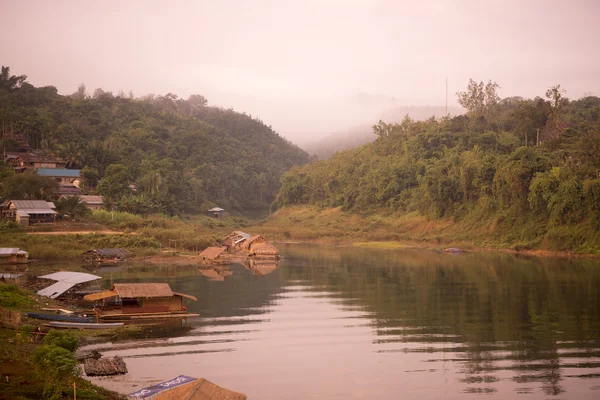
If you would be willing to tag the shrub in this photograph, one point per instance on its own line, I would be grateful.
(66, 340)
(11, 296)
(56, 365)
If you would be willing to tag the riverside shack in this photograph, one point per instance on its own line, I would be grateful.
(13, 255)
(105, 256)
(140, 301)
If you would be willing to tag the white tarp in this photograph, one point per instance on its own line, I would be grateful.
(66, 280)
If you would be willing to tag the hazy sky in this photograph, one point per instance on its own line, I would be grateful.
(300, 65)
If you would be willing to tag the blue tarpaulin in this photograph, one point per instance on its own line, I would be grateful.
(150, 391)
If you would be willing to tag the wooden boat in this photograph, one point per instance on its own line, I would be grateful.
(59, 317)
(84, 325)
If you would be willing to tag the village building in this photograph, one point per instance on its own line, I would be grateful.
(106, 256)
(13, 255)
(257, 246)
(217, 212)
(66, 190)
(27, 212)
(62, 175)
(140, 301)
(93, 202)
(21, 161)
(235, 239)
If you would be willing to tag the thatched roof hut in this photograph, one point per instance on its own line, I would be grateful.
(200, 389)
(265, 250)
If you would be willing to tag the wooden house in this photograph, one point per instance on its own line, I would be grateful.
(28, 212)
(257, 246)
(93, 202)
(106, 256)
(21, 161)
(62, 175)
(13, 255)
(125, 301)
(66, 190)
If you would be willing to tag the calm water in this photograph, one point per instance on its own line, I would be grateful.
(339, 323)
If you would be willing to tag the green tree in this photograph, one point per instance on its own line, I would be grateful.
(27, 186)
(10, 82)
(115, 182)
(73, 206)
(57, 365)
(479, 98)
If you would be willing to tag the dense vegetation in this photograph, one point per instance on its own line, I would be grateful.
(517, 166)
(145, 155)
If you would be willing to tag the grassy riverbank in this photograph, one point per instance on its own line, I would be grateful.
(143, 236)
(333, 225)
(28, 361)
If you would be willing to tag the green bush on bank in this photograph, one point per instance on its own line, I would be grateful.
(12, 296)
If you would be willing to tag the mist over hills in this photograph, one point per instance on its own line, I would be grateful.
(362, 133)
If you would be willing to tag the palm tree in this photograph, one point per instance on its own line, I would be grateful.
(10, 82)
(72, 205)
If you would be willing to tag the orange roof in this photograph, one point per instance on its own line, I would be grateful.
(212, 252)
(200, 389)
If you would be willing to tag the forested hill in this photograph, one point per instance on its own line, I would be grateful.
(179, 155)
(517, 166)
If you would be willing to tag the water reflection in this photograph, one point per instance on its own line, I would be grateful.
(357, 323)
(216, 273)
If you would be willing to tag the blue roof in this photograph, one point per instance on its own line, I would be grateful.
(61, 172)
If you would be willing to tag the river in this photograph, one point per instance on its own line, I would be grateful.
(353, 323)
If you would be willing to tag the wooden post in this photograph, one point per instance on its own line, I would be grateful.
(74, 391)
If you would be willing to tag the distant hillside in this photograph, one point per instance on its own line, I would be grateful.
(356, 136)
(522, 173)
(180, 155)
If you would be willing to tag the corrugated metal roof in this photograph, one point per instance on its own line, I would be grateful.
(72, 277)
(55, 290)
(36, 211)
(134, 290)
(67, 190)
(92, 199)
(66, 280)
(8, 251)
(60, 172)
(32, 204)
